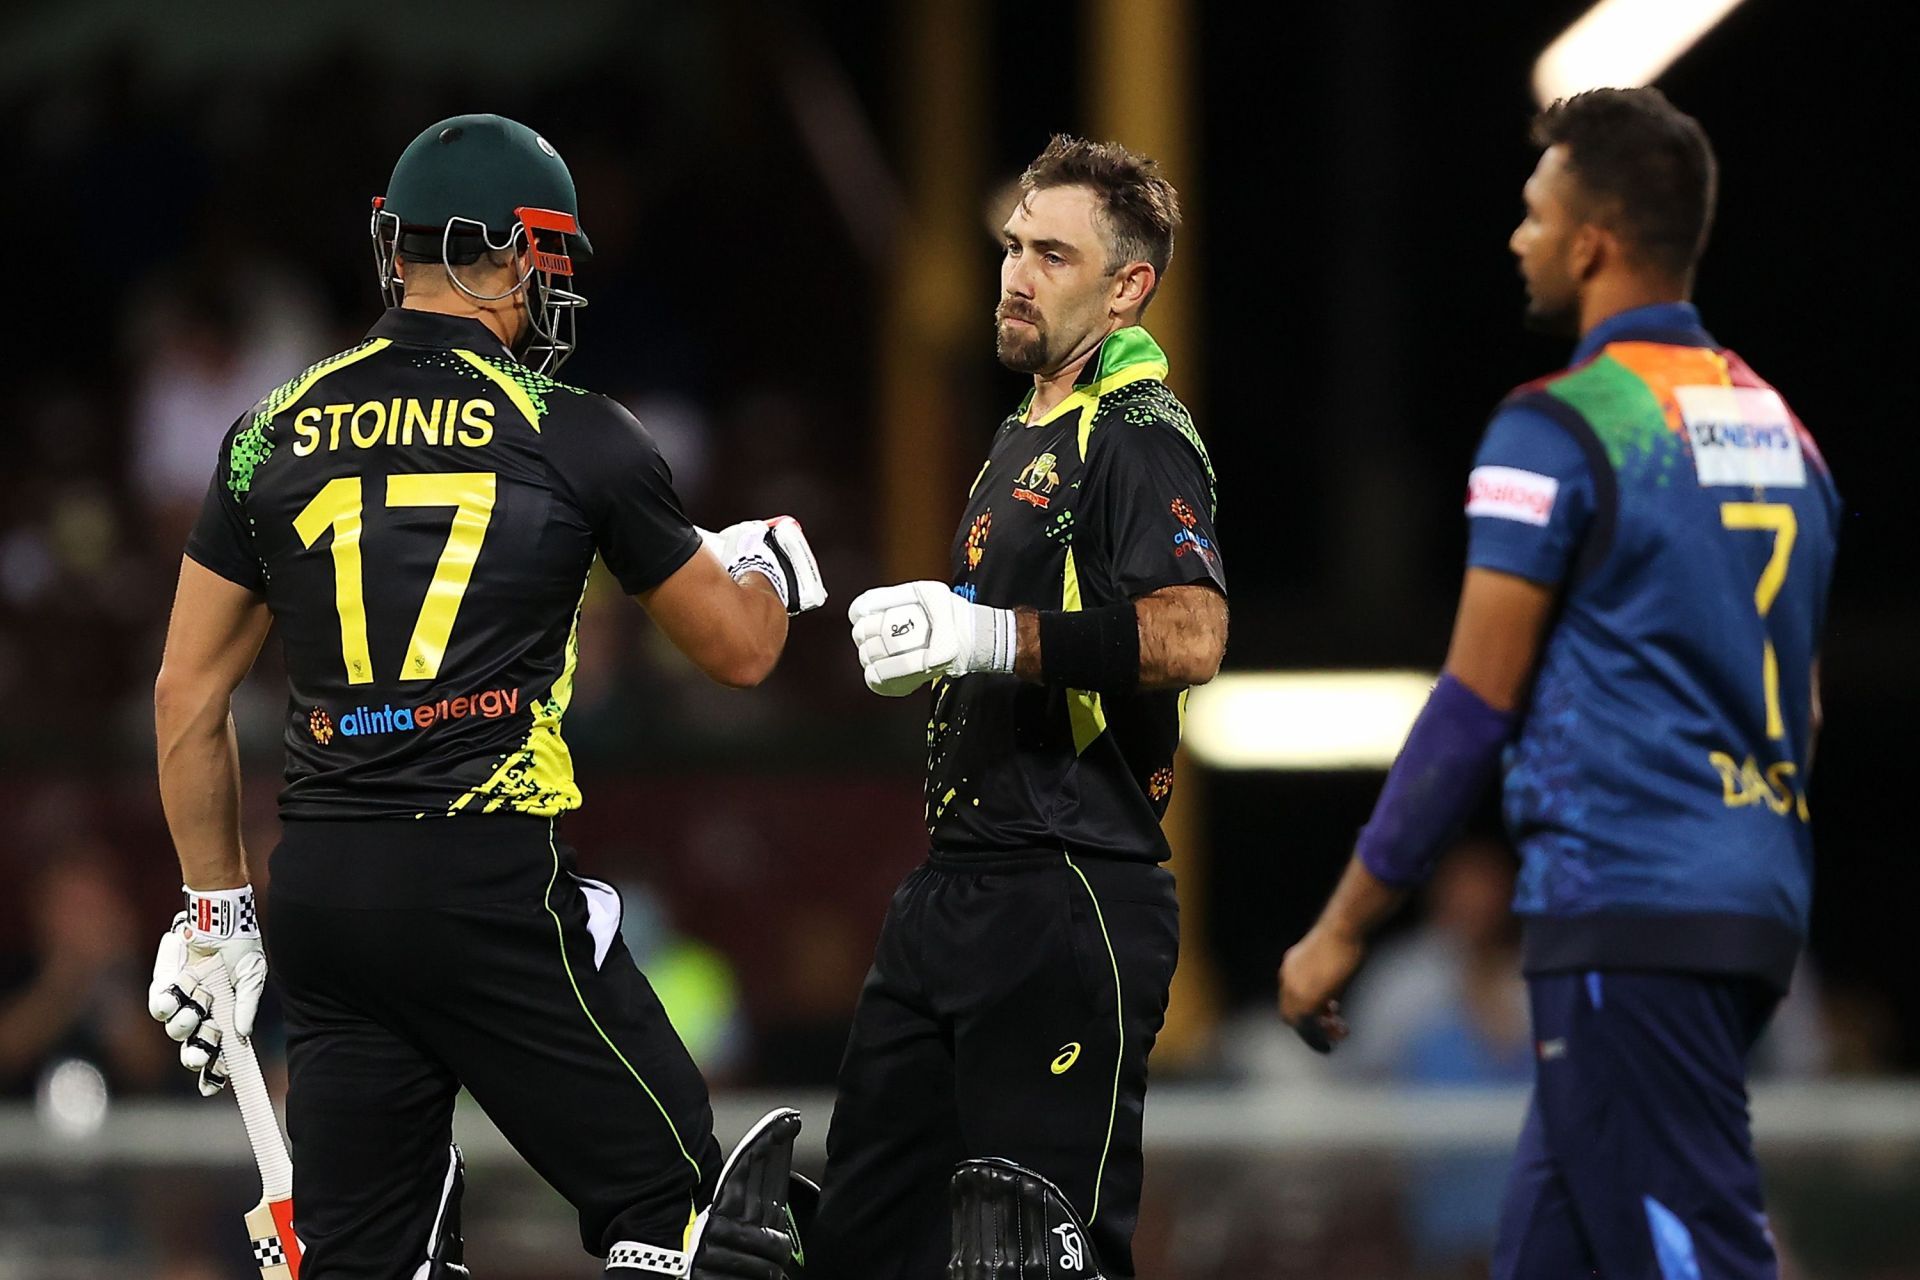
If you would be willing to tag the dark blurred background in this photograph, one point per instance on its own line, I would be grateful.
(793, 206)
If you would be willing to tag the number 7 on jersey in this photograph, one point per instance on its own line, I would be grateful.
(1778, 518)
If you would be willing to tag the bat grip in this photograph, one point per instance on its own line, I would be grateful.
(249, 1089)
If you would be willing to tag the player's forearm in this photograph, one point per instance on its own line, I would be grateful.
(1361, 903)
(200, 785)
(1181, 638)
(759, 636)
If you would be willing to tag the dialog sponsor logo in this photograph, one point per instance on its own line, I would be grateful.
(367, 722)
(1508, 493)
(1742, 436)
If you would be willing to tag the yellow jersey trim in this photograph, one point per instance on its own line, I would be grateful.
(1084, 710)
(511, 389)
(538, 778)
(281, 403)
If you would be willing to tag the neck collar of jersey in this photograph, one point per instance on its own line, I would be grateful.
(1675, 323)
(1123, 356)
(415, 328)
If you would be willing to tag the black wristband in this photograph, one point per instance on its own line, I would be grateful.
(1093, 649)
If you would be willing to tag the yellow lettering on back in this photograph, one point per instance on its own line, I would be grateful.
(416, 412)
(335, 412)
(1744, 783)
(1729, 779)
(1780, 792)
(304, 426)
(476, 423)
(367, 439)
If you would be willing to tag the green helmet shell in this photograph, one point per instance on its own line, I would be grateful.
(480, 168)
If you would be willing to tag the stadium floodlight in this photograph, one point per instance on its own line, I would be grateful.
(1622, 44)
(1304, 719)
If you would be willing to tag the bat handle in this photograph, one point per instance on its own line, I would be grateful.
(249, 1090)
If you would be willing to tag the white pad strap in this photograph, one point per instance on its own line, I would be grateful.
(631, 1255)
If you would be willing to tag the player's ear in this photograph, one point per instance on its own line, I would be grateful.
(1132, 285)
(1593, 246)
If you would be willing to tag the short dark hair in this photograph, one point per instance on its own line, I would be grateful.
(1138, 206)
(1645, 164)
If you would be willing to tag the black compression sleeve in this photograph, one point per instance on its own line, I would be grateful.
(1093, 649)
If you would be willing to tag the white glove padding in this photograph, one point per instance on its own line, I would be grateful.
(777, 550)
(805, 589)
(219, 927)
(911, 633)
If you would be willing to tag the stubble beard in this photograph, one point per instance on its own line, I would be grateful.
(1021, 348)
(1554, 317)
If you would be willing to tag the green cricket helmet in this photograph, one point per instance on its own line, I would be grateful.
(479, 183)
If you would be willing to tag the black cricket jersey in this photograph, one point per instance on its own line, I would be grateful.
(420, 513)
(1106, 498)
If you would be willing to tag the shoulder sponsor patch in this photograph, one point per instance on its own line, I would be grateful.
(1742, 436)
(1508, 493)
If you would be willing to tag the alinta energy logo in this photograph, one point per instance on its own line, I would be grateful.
(1188, 538)
(367, 722)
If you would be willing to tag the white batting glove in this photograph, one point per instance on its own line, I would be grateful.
(914, 632)
(218, 927)
(777, 550)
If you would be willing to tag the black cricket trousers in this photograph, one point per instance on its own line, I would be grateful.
(417, 957)
(1009, 1012)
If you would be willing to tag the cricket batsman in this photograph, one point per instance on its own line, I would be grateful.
(418, 516)
(990, 1101)
(1651, 541)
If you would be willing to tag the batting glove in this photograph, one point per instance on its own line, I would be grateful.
(912, 633)
(218, 927)
(777, 550)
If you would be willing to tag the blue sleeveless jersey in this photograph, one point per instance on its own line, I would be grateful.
(1658, 789)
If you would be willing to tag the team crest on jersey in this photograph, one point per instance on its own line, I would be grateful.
(320, 725)
(1036, 484)
(1742, 436)
(1160, 785)
(977, 538)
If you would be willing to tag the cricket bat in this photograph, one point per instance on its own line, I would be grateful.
(276, 1250)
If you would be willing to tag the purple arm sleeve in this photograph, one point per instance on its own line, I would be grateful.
(1446, 763)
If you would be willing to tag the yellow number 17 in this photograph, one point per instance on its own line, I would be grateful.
(338, 507)
(1778, 519)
